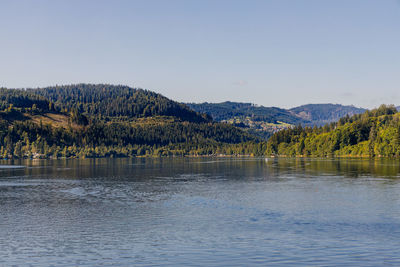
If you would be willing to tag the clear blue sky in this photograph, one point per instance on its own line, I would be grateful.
(274, 53)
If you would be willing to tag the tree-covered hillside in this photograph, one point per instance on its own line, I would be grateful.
(256, 120)
(373, 133)
(103, 100)
(102, 120)
(118, 121)
(320, 114)
(227, 110)
(264, 121)
(23, 100)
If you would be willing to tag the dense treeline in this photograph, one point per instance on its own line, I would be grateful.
(118, 121)
(23, 100)
(104, 121)
(265, 121)
(105, 101)
(227, 110)
(373, 133)
(27, 139)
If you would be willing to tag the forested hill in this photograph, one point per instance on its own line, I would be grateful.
(87, 120)
(311, 114)
(264, 121)
(117, 101)
(373, 133)
(320, 114)
(228, 110)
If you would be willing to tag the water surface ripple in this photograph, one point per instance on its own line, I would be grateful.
(200, 212)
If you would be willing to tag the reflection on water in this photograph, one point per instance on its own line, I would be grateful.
(106, 167)
(213, 212)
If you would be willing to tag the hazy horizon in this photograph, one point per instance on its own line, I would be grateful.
(273, 53)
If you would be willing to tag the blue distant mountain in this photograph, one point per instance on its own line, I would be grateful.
(263, 121)
(320, 114)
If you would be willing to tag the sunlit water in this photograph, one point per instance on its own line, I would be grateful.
(200, 212)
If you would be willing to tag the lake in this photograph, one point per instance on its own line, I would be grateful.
(200, 212)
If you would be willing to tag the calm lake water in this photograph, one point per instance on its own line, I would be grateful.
(200, 212)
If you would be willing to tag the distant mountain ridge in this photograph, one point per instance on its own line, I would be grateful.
(320, 114)
(227, 110)
(314, 114)
(264, 121)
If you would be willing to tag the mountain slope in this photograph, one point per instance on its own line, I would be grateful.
(103, 120)
(228, 110)
(117, 101)
(264, 121)
(373, 133)
(320, 114)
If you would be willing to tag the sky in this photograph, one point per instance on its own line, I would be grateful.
(281, 53)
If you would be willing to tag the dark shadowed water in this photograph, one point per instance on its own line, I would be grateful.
(200, 212)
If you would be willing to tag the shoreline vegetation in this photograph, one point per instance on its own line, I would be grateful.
(86, 120)
(375, 133)
(107, 152)
(100, 121)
